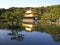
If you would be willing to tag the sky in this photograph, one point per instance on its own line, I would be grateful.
(27, 3)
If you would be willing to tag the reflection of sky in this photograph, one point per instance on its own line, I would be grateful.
(27, 3)
(30, 38)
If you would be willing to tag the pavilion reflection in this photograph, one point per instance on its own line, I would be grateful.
(29, 26)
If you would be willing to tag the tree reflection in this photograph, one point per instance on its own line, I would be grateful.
(16, 36)
(54, 31)
(56, 37)
(3, 25)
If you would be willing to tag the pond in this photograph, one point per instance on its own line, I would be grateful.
(29, 34)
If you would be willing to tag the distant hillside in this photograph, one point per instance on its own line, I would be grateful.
(44, 13)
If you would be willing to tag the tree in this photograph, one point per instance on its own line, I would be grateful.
(50, 16)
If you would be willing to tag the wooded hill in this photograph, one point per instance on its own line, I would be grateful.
(51, 13)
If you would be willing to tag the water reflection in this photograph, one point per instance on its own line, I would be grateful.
(16, 36)
(29, 26)
(38, 30)
(56, 37)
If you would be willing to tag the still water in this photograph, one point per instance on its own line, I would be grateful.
(30, 34)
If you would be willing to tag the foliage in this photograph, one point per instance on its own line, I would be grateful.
(50, 16)
(15, 14)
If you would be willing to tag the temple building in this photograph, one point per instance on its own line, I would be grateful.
(30, 16)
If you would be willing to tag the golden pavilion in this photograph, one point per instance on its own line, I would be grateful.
(30, 16)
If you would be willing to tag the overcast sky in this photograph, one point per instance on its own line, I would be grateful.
(27, 3)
